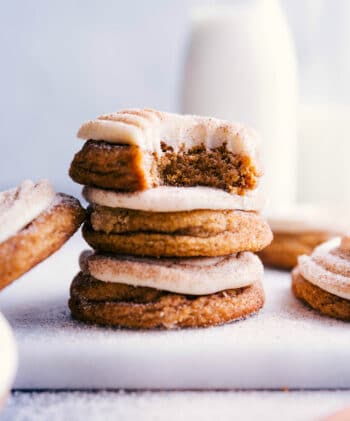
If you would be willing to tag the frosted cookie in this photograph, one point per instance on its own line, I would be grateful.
(166, 293)
(161, 232)
(34, 223)
(322, 280)
(138, 149)
(8, 359)
(299, 230)
(185, 233)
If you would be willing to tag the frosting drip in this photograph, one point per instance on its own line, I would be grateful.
(328, 268)
(195, 276)
(21, 205)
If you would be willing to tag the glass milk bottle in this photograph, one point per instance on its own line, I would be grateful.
(324, 141)
(241, 66)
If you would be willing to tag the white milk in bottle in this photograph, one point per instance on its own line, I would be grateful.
(241, 66)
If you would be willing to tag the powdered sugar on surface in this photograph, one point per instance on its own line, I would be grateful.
(285, 345)
(174, 406)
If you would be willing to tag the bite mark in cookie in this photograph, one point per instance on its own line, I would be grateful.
(139, 149)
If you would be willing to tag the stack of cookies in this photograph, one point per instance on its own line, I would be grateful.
(173, 221)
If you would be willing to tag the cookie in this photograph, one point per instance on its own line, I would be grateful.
(40, 237)
(197, 223)
(8, 360)
(285, 248)
(248, 238)
(320, 300)
(299, 229)
(146, 293)
(146, 308)
(322, 280)
(139, 149)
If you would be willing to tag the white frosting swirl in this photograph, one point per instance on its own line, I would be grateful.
(8, 357)
(328, 268)
(175, 199)
(21, 205)
(195, 276)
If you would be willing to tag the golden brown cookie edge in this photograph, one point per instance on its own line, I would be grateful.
(172, 311)
(197, 223)
(168, 245)
(322, 301)
(41, 238)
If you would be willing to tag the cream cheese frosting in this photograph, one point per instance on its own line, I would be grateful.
(21, 205)
(193, 276)
(176, 199)
(8, 357)
(328, 267)
(147, 128)
(304, 218)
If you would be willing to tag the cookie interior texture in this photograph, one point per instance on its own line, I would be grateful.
(121, 167)
(38, 240)
(120, 305)
(322, 301)
(285, 248)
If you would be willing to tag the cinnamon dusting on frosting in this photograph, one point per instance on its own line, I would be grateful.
(21, 205)
(328, 267)
(193, 276)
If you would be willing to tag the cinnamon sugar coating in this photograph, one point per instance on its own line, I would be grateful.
(38, 240)
(322, 301)
(250, 234)
(198, 223)
(145, 308)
